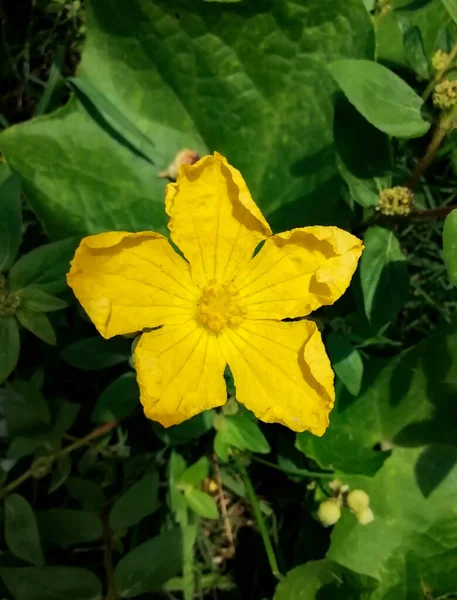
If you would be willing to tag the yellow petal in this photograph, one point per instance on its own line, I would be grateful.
(298, 271)
(281, 372)
(213, 219)
(180, 372)
(131, 281)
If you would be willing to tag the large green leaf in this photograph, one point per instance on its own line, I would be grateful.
(316, 580)
(411, 546)
(450, 245)
(10, 346)
(58, 583)
(247, 79)
(139, 501)
(65, 526)
(10, 217)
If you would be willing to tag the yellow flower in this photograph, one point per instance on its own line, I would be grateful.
(223, 305)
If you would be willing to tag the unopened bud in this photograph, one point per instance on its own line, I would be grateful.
(358, 500)
(445, 94)
(395, 201)
(329, 512)
(184, 157)
(364, 516)
(41, 466)
(440, 60)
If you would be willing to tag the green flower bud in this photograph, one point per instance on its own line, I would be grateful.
(329, 512)
(365, 516)
(445, 94)
(440, 60)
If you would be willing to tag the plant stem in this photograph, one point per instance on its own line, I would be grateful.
(303, 472)
(98, 432)
(258, 517)
(227, 526)
(439, 76)
(443, 128)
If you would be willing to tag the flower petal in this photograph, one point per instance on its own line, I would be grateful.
(298, 271)
(281, 372)
(213, 219)
(180, 372)
(130, 281)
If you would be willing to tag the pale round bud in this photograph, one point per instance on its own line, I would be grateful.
(357, 500)
(329, 512)
(365, 516)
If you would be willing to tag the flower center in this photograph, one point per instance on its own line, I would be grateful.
(219, 306)
(9, 303)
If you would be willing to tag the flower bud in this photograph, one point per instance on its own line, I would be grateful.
(395, 201)
(357, 500)
(364, 516)
(440, 60)
(184, 157)
(329, 512)
(445, 94)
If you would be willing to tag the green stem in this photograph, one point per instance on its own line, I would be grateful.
(258, 517)
(98, 432)
(303, 472)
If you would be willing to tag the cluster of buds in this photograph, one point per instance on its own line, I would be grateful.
(395, 201)
(440, 60)
(9, 303)
(445, 94)
(357, 501)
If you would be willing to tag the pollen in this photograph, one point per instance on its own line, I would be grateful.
(219, 306)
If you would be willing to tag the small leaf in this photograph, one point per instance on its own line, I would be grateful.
(10, 346)
(92, 354)
(382, 97)
(88, 493)
(62, 470)
(150, 565)
(44, 267)
(25, 409)
(312, 581)
(10, 217)
(201, 503)
(118, 400)
(38, 324)
(37, 300)
(244, 434)
(195, 474)
(139, 501)
(65, 527)
(64, 414)
(58, 583)
(346, 362)
(450, 243)
(21, 531)
(384, 275)
(415, 53)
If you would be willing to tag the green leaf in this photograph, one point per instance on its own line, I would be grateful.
(450, 245)
(64, 414)
(38, 324)
(404, 553)
(346, 361)
(21, 531)
(364, 191)
(10, 217)
(62, 470)
(243, 433)
(415, 52)
(35, 299)
(451, 7)
(201, 503)
(176, 467)
(44, 267)
(25, 408)
(118, 400)
(150, 565)
(95, 353)
(185, 432)
(88, 493)
(316, 580)
(58, 583)
(139, 501)
(195, 474)
(65, 527)
(10, 346)
(130, 135)
(383, 274)
(251, 101)
(384, 99)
